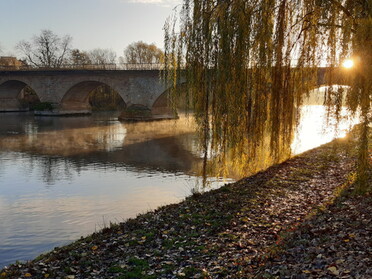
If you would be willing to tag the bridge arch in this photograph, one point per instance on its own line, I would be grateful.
(16, 95)
(77, 97)
(163, 105)
(318, 95)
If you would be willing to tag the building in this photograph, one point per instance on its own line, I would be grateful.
(11, 62)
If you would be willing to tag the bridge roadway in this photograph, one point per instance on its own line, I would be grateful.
(68, 90)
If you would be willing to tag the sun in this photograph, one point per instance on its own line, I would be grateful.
(348, 63)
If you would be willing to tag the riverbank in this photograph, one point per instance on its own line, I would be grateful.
(288, 220)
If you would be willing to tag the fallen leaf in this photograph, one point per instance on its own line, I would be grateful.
(334, 270)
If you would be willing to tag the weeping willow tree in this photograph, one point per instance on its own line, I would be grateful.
(250, 63)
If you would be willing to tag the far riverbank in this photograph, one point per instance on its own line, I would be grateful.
(269, 225)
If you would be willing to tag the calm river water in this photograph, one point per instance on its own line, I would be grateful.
(62, 178)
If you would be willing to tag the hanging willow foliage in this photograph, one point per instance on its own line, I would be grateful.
(250, 63)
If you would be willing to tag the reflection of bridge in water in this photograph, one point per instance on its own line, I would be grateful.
(167, 146)
(68, 89)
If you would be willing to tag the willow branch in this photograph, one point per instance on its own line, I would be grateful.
(334, 25)
(338, 4)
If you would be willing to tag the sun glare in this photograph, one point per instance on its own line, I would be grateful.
(348, 63)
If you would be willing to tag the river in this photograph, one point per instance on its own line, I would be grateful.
(66, 177)
(61, 178)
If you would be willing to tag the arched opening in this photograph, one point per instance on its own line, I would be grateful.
(17, 96)
(91, 95)
(105, 98)
(323, 116)
(163, 104)
(325, 94)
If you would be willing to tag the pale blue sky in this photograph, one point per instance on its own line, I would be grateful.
(92, 23)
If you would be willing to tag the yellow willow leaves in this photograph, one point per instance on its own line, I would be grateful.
(248, 64)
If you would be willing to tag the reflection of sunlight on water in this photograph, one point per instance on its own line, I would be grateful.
(314, 129)
(112, 138)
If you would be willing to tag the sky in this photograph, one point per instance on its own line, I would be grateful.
(111, 24)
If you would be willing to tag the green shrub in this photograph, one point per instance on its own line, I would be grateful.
(43, 106)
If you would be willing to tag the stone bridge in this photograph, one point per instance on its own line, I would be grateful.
(68, 90)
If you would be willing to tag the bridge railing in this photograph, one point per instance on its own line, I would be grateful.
(112, 66)
(141, 66)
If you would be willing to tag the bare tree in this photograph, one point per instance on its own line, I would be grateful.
(102, 56)
(78, 57)
(46, 49)
(140, 52)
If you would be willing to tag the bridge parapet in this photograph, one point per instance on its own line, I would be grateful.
(110, 66)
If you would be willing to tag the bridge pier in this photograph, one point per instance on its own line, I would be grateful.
(142, 113)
